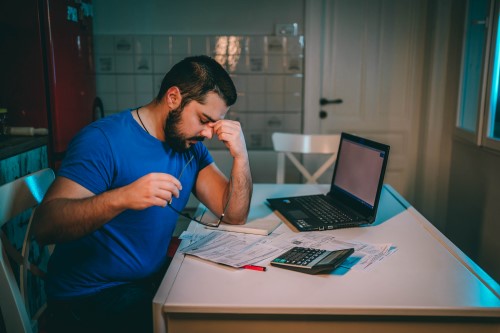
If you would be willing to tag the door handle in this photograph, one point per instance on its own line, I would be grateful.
(324, 101)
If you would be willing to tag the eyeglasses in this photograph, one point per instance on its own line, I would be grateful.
(213, 224)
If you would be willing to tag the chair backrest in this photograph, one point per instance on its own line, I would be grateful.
(286, 144)
(15, 198)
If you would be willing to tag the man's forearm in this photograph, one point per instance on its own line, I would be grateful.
(69, 211)
(239, 192)
(61, 220)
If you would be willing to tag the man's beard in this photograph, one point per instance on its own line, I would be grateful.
(173, 137)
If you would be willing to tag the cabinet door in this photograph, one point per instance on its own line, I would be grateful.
(23, 164)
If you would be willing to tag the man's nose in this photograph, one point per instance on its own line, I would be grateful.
(207, 132)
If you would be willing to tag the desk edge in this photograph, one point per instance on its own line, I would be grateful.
(468, 263)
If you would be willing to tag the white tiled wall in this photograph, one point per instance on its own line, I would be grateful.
(267, 71)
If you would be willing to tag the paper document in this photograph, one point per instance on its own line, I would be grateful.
(237, 249)
(232, 249)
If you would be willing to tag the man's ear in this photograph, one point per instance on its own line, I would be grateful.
(173, 97)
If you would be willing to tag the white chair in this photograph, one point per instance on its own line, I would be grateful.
(17, 197)
(286, 144)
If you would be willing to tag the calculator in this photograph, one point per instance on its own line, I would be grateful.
(310, 260)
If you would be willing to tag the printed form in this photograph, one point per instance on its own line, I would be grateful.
(238, 250)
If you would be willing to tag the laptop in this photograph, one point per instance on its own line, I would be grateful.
(354, 195)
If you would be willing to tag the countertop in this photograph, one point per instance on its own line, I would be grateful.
(14, 145)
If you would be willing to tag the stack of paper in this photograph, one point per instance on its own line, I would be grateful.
(237, 250)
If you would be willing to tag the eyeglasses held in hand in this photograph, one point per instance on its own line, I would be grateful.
(213, 224)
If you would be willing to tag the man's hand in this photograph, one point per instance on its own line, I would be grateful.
(154, 189)
(230, 132)
(214, 189)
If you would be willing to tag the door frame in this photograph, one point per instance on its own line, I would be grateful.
(312, 64)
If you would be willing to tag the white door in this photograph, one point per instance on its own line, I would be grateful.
(369, 55)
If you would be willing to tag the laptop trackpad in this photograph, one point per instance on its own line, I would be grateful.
(298, 214)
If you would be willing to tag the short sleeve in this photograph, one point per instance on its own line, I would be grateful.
(89, 160)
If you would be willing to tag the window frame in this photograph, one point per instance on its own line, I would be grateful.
(479, 136)
(493, 46)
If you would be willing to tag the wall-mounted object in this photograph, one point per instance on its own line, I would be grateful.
(286, 29)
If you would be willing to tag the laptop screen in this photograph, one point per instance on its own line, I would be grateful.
(360, 170)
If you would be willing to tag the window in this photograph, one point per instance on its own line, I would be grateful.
(492, 125)
(477, 118)
(472, 63)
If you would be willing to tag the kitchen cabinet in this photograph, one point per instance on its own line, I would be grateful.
(22, 164)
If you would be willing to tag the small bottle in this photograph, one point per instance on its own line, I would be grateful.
(3, 122)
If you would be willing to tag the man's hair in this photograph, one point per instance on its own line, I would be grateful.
(195, 77)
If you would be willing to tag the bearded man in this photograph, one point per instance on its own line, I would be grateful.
(114, 204)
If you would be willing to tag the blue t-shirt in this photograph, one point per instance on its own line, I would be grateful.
(111, 153)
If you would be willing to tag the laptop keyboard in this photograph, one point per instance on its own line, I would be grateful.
(322, 210)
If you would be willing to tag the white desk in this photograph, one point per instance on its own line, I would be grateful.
(428, 284)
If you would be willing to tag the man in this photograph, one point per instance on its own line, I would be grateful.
(112, 208)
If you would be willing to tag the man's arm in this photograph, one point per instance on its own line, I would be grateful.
(214, 190)
(70, 211)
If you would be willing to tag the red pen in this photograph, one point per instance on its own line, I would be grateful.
(255, 268)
